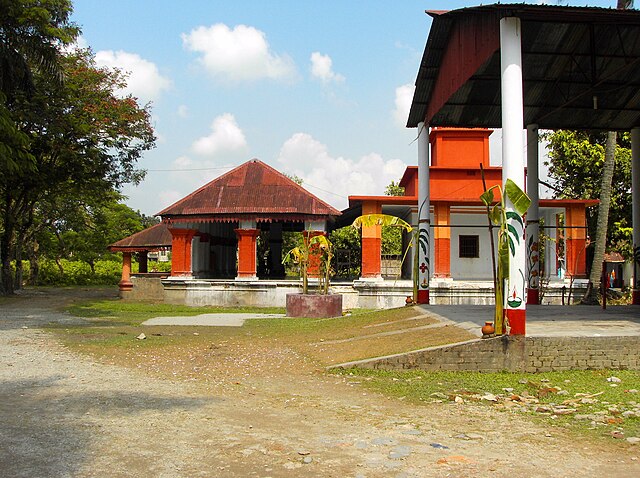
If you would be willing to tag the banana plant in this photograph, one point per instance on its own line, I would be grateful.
(508, 237)
(301, 255)
(387, 220)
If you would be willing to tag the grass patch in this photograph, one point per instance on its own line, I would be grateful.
(590, 401)
(134, 313)
(114, 326)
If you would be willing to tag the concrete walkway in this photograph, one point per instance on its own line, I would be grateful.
(211, 320)
(542, 320)
(550, 320)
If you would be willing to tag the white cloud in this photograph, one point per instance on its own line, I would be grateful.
(183, 111)
(167, 197)
(144, 82)
(404, 96)
(333, 179)
(241, 53)
(79, 44)
(321, 67)
(225, 137)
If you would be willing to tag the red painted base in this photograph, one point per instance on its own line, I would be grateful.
(517, 320)
(423, 296)
(635, 297)
(125, 285)
(533, 296)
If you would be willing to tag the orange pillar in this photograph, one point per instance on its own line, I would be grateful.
(125, 282)
(371, 244)
(575, 241)
(313, 268)
(247, 251)
(442, 235)
(181, 251)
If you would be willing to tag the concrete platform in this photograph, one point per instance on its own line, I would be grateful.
(550, 320)
(210, 320)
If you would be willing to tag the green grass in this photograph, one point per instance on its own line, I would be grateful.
(606, 401)
(112, 326)
(134, 313)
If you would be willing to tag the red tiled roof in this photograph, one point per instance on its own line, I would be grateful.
(253, 190)
(153, 238)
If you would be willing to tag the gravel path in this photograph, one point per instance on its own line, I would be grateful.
(62, 414)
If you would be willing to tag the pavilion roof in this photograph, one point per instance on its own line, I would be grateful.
(153, 238)
(580, 68)
(252, 191)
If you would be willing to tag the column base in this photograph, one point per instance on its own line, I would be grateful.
(372, 278)
(125, 285)
(533, 296)
(423, 296)
(635, 297)
(517, 321)
(246, 278)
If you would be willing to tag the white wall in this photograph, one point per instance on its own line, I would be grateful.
(471, 268)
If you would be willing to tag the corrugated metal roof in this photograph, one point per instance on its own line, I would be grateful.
(253, 190)
(153, 238)
(581, 68)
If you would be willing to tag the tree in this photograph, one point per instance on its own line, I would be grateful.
(85, 142)
(392, 236)
(31, 34)
(394, 189)
(576, 161)
(592, 293)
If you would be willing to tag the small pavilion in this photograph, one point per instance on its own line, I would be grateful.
(153, 239)
(215, 229)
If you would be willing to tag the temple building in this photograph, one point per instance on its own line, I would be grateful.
(461, 267)
(213, 235)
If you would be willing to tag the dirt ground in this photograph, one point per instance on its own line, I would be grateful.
(66, 414)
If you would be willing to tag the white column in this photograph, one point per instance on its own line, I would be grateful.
(533, 217)
(635, 209)
(513, 162)
(424, 238)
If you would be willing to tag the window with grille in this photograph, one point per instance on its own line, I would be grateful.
(469, 246)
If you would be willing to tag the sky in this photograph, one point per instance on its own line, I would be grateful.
(320, 90)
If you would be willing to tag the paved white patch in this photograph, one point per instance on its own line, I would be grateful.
(212, 320)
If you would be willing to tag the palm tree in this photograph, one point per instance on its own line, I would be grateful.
(592, 293)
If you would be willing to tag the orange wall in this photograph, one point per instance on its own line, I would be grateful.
(456, 155)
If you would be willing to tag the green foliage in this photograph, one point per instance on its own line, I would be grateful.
(394, 189)
(86, 234)
(575, 166)
(508, 237)
(77, 273)
(295, 178)
(319, 247)
(85, 142)
(345, 238)
(31, 33)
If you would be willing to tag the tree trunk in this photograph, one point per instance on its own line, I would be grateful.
(19, 269)
(34, 270)
(6, 276)
(592, 294)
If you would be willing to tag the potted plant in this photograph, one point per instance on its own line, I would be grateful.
(321, 304)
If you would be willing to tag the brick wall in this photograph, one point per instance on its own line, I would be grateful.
(517, 354)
